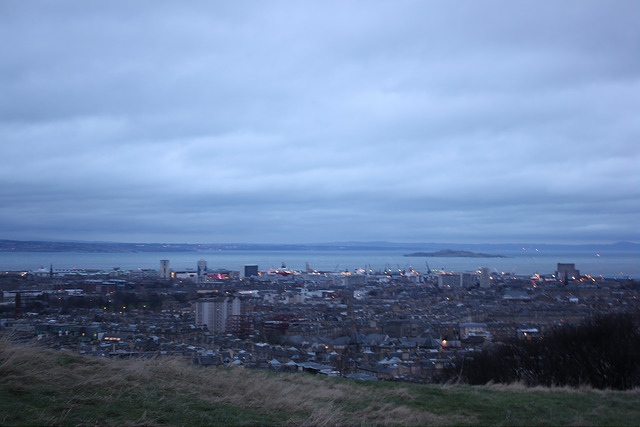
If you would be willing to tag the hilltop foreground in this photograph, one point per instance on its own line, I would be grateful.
(43, 387)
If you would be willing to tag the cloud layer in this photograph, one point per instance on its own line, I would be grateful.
(297, 122)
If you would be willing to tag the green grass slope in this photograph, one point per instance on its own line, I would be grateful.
(42, 387)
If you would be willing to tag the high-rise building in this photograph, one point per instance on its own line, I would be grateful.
(202, 271)
(485, 278)
(567, 272)
(165, 273)
(249, 270)
(214, 312)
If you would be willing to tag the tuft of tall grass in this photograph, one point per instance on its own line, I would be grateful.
(78, 389)
(43, 387)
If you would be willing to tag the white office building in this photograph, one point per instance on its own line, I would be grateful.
(214, 312)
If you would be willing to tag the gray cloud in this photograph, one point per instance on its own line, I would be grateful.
(320, 121)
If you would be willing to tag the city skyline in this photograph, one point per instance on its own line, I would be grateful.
(288, 122)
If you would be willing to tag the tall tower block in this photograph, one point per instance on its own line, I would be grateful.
(202, 271)
(485, 277)
(164, 269)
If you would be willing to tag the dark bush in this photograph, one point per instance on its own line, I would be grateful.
(603, 352)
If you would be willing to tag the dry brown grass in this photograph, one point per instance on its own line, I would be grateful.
(61, 388)
(306, 399)
(311, 400)
(522, 387)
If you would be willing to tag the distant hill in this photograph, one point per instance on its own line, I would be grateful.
(448, 253)
(43, 387)
(116, 247)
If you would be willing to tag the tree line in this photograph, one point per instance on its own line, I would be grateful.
(602, 352)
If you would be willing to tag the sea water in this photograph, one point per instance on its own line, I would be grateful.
(615, 263)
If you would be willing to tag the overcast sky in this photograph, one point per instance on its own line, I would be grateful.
(317, 121)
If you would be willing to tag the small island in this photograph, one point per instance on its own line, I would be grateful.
(448, 253)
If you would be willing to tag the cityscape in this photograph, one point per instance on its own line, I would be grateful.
(394, 325)
(320, 213)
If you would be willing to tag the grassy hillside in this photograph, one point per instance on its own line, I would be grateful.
(42, 387)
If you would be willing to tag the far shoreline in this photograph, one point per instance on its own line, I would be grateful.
(448, 253)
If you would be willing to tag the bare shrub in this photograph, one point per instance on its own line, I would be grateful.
(602, 353)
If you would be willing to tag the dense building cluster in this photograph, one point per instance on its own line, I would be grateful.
(391, 325)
